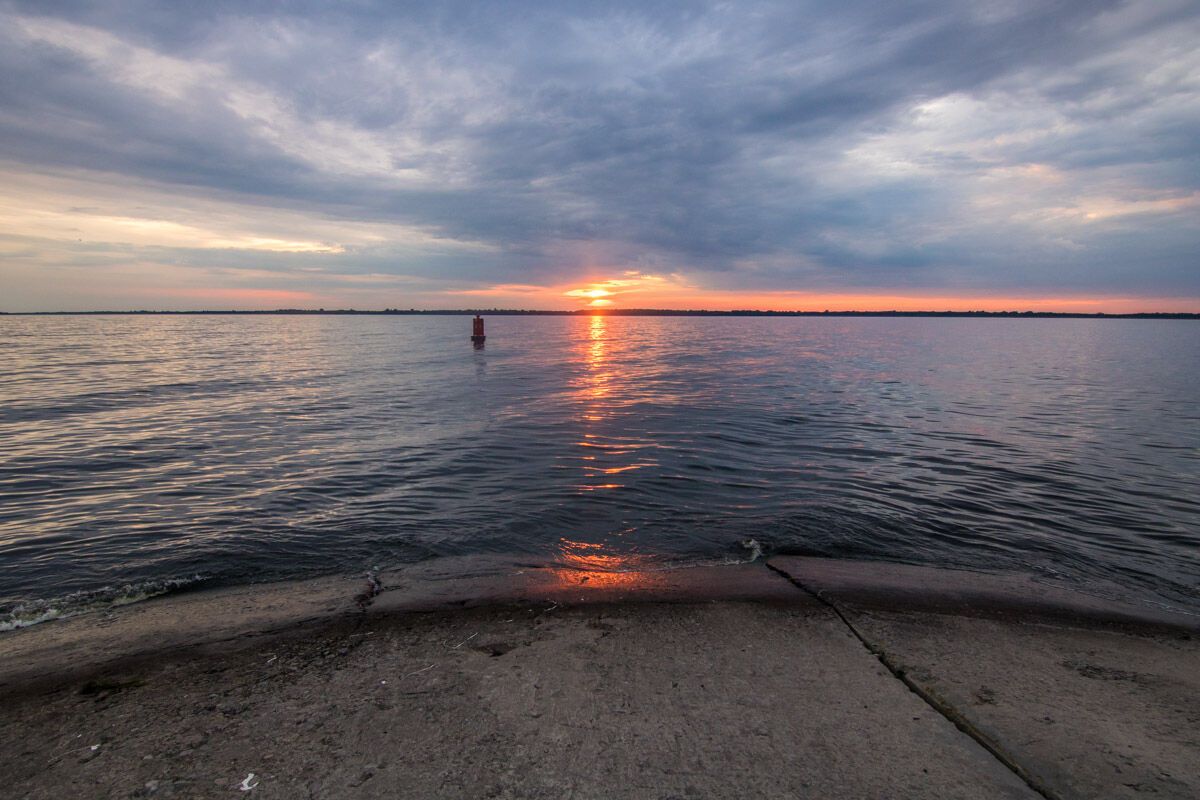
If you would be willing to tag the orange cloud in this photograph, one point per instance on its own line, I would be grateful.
(632, 283)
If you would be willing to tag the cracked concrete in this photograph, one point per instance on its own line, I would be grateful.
(695, 683)
(1087, 699)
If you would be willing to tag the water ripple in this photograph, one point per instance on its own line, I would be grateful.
(144, 450)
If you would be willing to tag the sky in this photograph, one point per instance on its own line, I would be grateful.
(795, 155)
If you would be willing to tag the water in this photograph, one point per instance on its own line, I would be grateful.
(140, 453)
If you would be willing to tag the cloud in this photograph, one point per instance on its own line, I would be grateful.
(1022, 147)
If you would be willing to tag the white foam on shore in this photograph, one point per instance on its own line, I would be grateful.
(18, 619)
(755, 549)
(35, 612)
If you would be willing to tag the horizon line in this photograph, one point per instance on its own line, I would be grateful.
(596, 312)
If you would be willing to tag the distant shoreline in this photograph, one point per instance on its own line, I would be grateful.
(623, 312)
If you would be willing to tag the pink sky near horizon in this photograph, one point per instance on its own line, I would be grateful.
(634, 290)
(556, 299)
(146, 289)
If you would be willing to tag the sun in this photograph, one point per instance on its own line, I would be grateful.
(610, 292)
(597, 296)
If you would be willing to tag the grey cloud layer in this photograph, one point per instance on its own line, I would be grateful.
(775, 146)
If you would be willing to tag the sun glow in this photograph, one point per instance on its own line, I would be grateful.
(634, 290)
(600, 294)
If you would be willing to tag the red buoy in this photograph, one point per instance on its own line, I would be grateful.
(477, 330)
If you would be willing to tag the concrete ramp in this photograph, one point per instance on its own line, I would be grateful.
(1089, 698)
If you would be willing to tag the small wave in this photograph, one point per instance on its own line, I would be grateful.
(754, 548)
(33, 612)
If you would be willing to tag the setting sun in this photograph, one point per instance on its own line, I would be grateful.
(632, 289)
(602, 293)
(595, 293)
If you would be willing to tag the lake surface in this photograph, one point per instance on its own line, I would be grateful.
(143, 452)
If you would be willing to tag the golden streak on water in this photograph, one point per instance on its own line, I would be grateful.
(614, 470)
(590, 566)
(598, 390)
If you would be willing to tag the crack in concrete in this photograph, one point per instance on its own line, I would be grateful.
(931, 699)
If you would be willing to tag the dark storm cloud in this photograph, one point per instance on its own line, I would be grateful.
(827, 145)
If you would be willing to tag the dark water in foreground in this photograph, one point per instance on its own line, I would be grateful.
(137, 451)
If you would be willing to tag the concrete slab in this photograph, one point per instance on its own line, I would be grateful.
(628, 700)
(1086, 699)
(1089, 713)
(83, 643)
(877, 585)
(77, 645)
